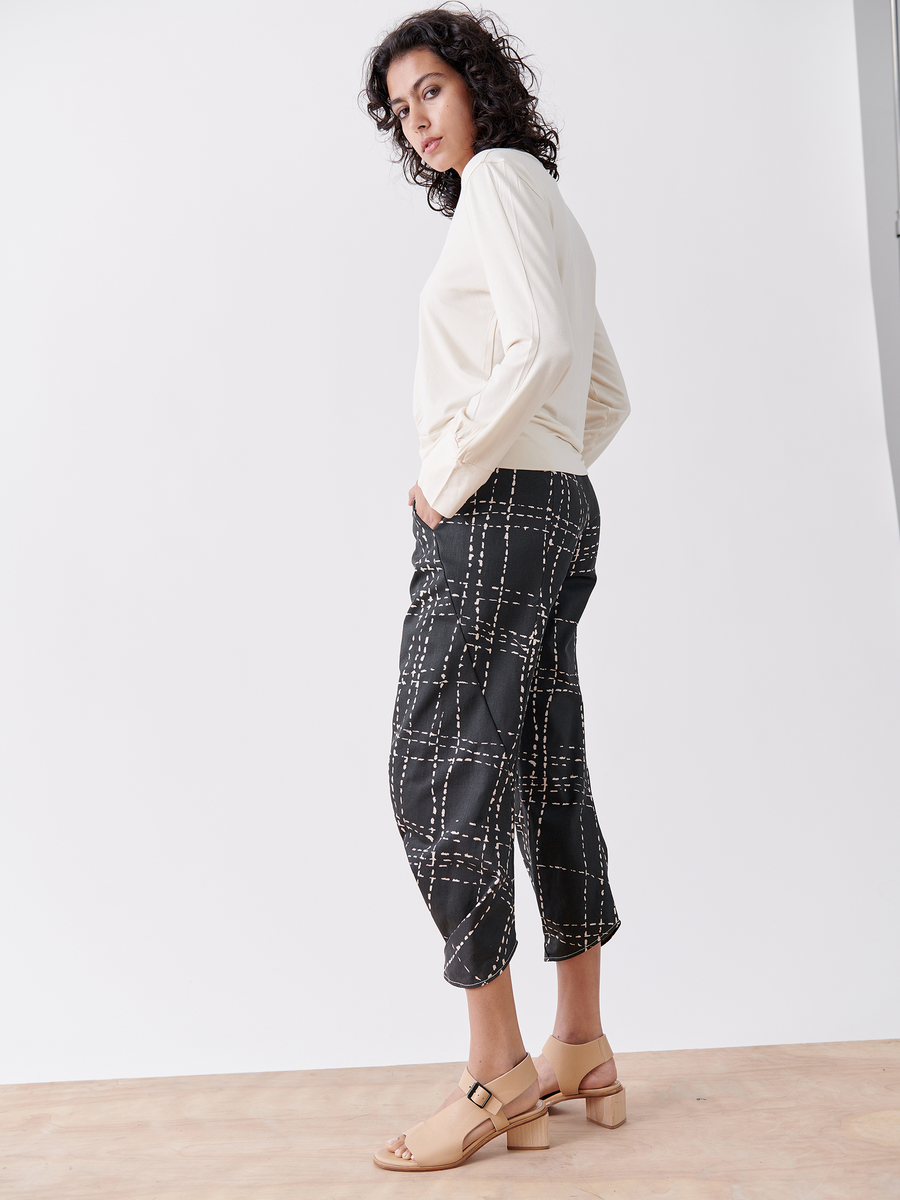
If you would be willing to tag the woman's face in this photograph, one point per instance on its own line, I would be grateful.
(434, 106)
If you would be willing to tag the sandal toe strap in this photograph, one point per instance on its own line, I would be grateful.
(440, 1138)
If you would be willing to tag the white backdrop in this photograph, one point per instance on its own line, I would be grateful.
(210, 278)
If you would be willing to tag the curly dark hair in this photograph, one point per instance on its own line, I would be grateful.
(479, 47)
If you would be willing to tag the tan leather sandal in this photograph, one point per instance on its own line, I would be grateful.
(604, 1106)
(437, 1144)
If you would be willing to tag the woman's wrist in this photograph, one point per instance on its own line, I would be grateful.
(423, 509)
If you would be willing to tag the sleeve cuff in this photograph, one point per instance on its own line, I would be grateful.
(447, 483)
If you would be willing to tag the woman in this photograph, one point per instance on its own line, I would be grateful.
(516, 392)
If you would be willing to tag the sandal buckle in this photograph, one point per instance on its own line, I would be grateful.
(479, 1087)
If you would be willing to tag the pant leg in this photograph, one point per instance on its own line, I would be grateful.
(485, 583)
(450, 782)
(559, 833)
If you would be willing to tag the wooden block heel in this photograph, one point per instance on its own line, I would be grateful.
(535, 1135)
(608, 1111)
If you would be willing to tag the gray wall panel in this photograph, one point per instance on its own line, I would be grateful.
(874, 42)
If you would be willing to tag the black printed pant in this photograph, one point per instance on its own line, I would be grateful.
(488, 726)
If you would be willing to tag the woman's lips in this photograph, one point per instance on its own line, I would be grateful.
(430, 145)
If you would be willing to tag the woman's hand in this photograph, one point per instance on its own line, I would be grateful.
(429, 515)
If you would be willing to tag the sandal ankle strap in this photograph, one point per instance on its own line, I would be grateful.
(571, 1063)
(491, 1097)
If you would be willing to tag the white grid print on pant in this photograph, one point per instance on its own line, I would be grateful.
(488, 725)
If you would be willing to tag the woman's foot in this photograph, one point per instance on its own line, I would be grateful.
(522, 1103)
(600, 1077)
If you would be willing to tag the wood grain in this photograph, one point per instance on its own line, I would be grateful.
(751, 1123)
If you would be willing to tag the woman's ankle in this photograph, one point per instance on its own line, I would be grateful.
(576, 1032)
(494, 1062)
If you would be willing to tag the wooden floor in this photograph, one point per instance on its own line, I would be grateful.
(821, 1122)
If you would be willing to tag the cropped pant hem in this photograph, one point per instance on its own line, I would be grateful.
(597, 941)
(483, 982)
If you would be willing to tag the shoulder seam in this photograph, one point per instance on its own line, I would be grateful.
(506, 162)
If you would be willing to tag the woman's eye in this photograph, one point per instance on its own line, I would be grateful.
(402, 113)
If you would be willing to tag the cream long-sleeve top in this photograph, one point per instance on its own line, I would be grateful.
(514, 366)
